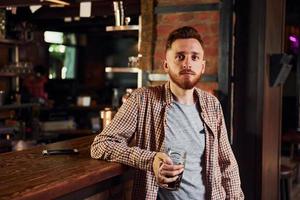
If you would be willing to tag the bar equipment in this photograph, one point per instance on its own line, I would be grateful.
(117, 13)
(106, 116)
(121, 13)
(2, 24)
(2, 95)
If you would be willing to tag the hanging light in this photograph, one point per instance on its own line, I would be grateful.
(58, 2)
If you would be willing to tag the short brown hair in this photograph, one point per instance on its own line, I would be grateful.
(184, 32)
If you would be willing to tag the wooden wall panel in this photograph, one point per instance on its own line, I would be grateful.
(271, 137)
(257, 106)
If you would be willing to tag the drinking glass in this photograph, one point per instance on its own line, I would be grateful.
(178, 156)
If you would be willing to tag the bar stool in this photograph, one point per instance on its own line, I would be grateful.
(286, 177)
(5, 146)
(5, 139)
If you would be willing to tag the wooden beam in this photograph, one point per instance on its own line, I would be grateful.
(99, 8)
(225, 62)
(187, 8)
(257, 106)
(21, 3)
(148, 32)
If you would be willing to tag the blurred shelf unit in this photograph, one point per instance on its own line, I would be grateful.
(127, 70)
(157, 77)
(15, 120)
(123, 28)
(164, 77)
(14, 67)
(79, 132)
(18, 106)
(10, 42)
(128, 28)
(7, 74)
(14, 45)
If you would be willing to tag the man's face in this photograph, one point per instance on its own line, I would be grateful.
(184, 62)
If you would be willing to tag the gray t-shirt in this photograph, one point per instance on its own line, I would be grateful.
(185, 131)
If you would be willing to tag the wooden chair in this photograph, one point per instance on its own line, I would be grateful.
(292, 139)
(286, 176)
(292, 164)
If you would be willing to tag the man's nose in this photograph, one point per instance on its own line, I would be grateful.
(187, 63)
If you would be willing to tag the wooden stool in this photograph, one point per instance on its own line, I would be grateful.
(286, 176)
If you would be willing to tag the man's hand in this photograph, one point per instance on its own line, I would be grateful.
(164, 170)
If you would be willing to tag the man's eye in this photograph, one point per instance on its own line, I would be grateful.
(195, 57)
(180, 57)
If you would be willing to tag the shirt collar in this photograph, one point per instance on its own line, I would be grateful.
(201, 101)
(170, 98)
(168, 94)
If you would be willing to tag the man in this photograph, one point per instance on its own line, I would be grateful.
(174, 115)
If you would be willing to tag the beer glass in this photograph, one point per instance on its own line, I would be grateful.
(178, 156)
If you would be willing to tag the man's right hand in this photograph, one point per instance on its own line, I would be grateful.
(164, 170)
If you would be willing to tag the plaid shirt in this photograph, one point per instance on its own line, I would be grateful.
(143, 117)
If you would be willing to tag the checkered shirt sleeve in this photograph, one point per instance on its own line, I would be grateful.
(228, 165)
(112, 143)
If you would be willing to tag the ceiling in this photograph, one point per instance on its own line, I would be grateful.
(102, 14)
(51, 17)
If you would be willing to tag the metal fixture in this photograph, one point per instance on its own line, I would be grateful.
(57, 2)
(127, 70)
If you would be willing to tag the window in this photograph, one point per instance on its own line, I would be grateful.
(62, 54)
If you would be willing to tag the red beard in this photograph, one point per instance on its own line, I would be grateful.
(186, 79)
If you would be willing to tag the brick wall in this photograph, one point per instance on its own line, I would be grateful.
(206, 22)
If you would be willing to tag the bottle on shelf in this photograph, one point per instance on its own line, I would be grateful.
(15, 96)
(115, 99)
(106, 116)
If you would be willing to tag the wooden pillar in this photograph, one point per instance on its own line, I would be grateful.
(257, 106)
(148, 34)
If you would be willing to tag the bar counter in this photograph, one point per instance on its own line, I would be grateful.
(28, 174)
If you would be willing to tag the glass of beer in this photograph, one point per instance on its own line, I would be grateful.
(178, 156)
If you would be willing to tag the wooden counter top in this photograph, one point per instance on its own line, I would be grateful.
(30, 175)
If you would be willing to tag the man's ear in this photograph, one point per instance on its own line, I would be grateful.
(165, 65)
(203, 66)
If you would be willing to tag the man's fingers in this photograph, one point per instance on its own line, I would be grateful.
(164, 179)
(164, 157)
(168, 173)
(158, 161)
(164, 170)
(164, 185)
(172, 167)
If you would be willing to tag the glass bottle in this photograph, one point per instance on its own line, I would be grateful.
(115, 99)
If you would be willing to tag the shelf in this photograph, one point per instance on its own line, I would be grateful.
(7, 74)
(127, 70)
(10, 41)
(164, 77)
(18, 106)
(157, 77)
(123, 28)
(6, 130)
(123, 69)
(88, 108)
(79, 132)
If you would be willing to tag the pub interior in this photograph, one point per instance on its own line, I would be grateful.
(66, 66)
